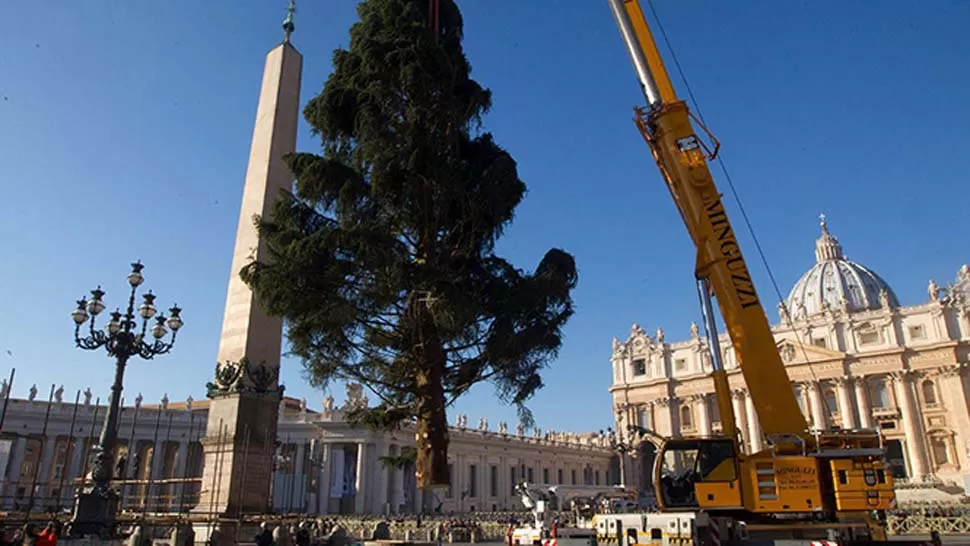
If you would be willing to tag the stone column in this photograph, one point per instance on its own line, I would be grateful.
(703, 415)
(78, 453)
(399, 494)
(754, 425)
(503, 478)
(334, 503)
(422, 498)
(323, 482)
(951, 388)
(737, 402)
(459, 479)
(181, 464)
(384, 477)
(846, 408)
(912, 424)
(658, 417)
(361, 483)
(819, 417)
(648, 421)
(155, 473)
(17, 453)
(673, 411)
(300, 477)
(862, 402)
(44, 471)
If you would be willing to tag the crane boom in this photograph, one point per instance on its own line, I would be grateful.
(835, 477)
(683, 161)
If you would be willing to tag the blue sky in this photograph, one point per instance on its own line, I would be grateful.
(125, 130)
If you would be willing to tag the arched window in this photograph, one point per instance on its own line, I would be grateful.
(880, 394)
(686, 418)
(929, 393)
(831, 403)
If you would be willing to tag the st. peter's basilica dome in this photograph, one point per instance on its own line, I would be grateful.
(835, 282)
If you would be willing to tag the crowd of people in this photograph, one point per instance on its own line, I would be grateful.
(31, 534)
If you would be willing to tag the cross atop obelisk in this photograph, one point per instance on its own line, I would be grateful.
(288, 25)
(241, 431)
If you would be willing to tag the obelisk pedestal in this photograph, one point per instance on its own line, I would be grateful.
(240, 442)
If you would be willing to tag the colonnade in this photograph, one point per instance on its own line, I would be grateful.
(350, 477)
(46, 449)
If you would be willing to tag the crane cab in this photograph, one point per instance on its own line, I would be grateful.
(714, 474)
(696, 473)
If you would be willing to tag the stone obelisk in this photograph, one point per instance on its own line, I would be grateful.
(240, 440)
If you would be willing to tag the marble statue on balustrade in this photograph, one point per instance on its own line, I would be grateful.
(188, 403)
(59, 395)
(164, 401)
(138, 400)
(356, 399)
(32, 393)
(328, 404)
(520, 429)
(4, 388)
(87, 396)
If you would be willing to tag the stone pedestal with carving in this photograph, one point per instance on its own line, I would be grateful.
(95, 512)
(240, 441)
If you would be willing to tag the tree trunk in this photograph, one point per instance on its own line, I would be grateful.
(431, 466)
(431, 438)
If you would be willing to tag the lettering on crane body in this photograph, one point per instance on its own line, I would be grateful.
(796, 476)
(727, 244)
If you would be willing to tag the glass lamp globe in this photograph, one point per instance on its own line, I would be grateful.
(135, 278)
(159, 330)
(80, 314)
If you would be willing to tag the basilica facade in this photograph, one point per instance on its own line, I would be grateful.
(856, 359)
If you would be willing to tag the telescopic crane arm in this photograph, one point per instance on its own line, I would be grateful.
(721, 269)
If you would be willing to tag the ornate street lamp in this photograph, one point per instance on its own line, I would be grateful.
(122, 338)
(625, 441)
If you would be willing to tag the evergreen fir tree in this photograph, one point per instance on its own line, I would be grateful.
(382, 262)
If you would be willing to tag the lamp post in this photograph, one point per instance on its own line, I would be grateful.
(625, 441)
(122, 338)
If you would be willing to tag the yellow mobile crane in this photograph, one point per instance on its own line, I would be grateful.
(805, 483)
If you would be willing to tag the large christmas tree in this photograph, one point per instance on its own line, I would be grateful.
(382, 263)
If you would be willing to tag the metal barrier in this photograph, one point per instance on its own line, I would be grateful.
(918, 524)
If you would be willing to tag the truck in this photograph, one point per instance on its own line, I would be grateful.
(805, 485)
(562, 515)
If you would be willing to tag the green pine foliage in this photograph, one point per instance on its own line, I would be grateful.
(382, 263)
